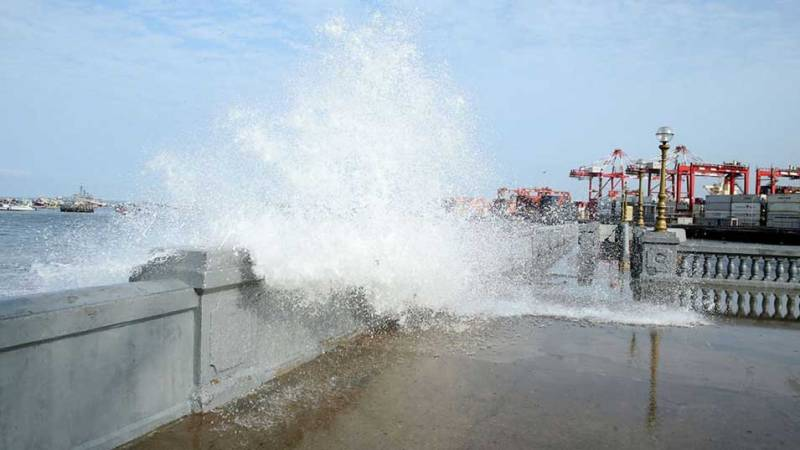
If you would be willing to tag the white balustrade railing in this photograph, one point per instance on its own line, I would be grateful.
(743, 280)
(740, 262)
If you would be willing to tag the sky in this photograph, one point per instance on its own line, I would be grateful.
(90, 91)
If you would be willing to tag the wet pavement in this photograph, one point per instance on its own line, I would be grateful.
(524, 382)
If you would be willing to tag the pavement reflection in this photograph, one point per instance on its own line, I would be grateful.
(523, 382)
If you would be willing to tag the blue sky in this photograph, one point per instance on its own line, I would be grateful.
(91, 90)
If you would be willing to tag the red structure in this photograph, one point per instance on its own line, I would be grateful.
(683, 169)
(686, 182)
(773, 174)
(610, 175)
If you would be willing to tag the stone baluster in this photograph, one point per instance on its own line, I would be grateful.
(709, 298)
(718, 267)
(706, 266)
(728, 302)
(765, 301)
(730, 270)
(777, 305)
(715, 299)
(683, 266)
(780, 313)
(775, 301)
(780, 269)
(740, 303)
(745, 267)
(769, 267)
(794, 271)
(752, 310)
(697, 301)
(791, 305)
(758, 273)
(690, 294)
(695, 266)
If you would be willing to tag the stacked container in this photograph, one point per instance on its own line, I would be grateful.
(783, 211)
(746, 210)
(717, 211)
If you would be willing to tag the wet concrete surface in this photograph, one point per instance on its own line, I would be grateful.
(524, 382)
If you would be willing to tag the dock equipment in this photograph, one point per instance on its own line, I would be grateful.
(686, 178)
(651, 169)
(773, 174)
(610, 175)
(683, 169)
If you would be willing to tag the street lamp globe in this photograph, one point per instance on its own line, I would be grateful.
(664, 134)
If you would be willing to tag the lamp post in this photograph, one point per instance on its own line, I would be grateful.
(664, 135)
(623, 216)
(640, 222)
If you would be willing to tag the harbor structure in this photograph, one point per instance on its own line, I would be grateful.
(773, 175)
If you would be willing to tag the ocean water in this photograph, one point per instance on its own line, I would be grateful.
(48, 250)
(30, 239)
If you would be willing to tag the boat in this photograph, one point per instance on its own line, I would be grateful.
(82, 202)
(4, 206)
(80, 207)
(20, 208)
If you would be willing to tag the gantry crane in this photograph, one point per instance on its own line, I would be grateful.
(610, 175)
(773, 174)
(688, 167)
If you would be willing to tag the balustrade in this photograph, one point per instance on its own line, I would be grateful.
(707, 265)
(774, 304)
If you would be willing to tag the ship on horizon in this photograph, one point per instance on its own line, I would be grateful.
(82, 202)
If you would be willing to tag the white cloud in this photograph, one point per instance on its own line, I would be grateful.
(14, 173)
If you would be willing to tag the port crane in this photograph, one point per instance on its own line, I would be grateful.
(773, 174)
(688, 167)
(609, 173)
(683, 169)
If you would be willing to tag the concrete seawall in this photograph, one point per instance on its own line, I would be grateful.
(97, 367)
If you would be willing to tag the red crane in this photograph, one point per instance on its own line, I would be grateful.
(688, 167)
(773, 174)
(683, 168)
(610, 175)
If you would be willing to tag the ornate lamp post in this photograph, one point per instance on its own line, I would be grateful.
(664, 135)
(623, 217)
(640, 222)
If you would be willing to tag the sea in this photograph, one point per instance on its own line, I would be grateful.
(48, 250)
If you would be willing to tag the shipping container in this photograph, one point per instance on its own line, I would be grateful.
(749, 198)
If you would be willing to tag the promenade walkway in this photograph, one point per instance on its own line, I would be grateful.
(525, 382)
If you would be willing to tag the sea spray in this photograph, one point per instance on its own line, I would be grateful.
(345, 185)
(341, 184)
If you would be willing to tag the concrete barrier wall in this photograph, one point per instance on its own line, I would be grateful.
(97, 367)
